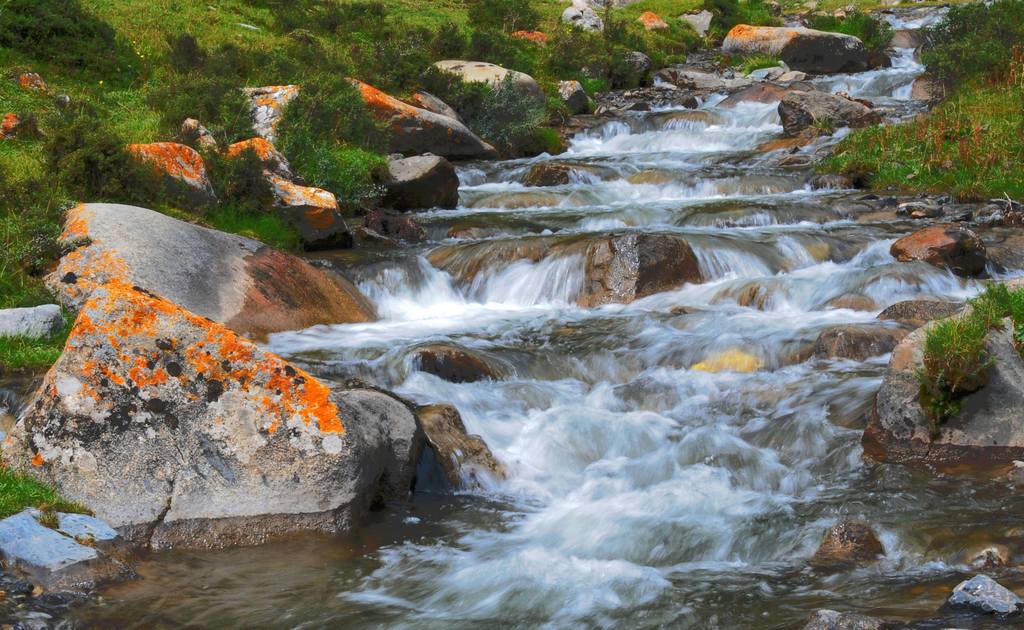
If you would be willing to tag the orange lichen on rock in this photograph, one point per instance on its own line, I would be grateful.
(382, 105)
(293, 195)
(32, 81)
(262, 147)
(9, 126)
(652, 21)
(774, 37)
(173, 159)
(37, 459)
(536, 37)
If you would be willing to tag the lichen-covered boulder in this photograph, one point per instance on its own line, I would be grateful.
(952, 247)
(179, 432)
(494, 75)
(251, 288)
(429, 102)
(652, 21)
(32, 81)
(801, 48)
(802, 109)
(415, 131)
(313, 212)
(268, 105)
(272, 159)
(182, 169)
(464, 459)
(918, 312)
(14, 126)
(420, 183)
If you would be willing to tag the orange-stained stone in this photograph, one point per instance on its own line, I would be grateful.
(9, 126)
(32, 81)
(261, 146)
(170, 158)
(652, 21)
(536, 37)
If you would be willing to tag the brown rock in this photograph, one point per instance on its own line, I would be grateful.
(652, 21)
(182, 168)
(421, 182)
(627, 267)
(853, 301)
(945, 246)
(917, 313)
(757, 93)
(314, 212)
(848, 543)
(394, 226)
(800, 110)
(926, 88)
(463, 458)
(454, 363)
(554, 174)
(987, 556)
(856, 342)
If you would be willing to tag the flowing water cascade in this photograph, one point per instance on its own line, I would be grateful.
(643, 490)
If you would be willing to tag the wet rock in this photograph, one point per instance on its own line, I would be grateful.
(454, 363)
(987, 556)
(757, 93)
(767, 74)
(856, 342)
(581, 15)
(688, 78)
(729, 360)
(853, 301)
(917, 313)
(193, 133)
(465, 459)
(699, 21)
(848, 543)
(32, 81)
(79, 554)
(35, 321)
(919, 210)
(268, 105)
(627, 267)
(983, 595)
(906, 38)
(417, 131)
(575, 97)
(952, 247)
(237, 281)
(651, 21)
(429, 102)
(801, 48)
(421, 183)
(178, 432)
(556, 174)
(832, 181)
(272, 159)
(800, 110)
(984, 437)
(394, 226)
(313, 212)
(182, 168)
(793, 76)
(831, 620)
(494, 75)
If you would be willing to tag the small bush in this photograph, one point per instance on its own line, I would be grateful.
(974, 40)
(503, 15)
(729, 13)
(874, 32)
(261, 225)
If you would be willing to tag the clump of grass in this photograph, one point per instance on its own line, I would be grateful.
(874, 32)
(955, 361)
(19, 492)
(755, 62)
(33, 353)
(262, 226)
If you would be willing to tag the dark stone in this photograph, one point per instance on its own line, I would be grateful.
(453, 363)
(846, 544)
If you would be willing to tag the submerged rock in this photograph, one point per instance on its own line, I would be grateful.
(237, 281)
(857, 342)
(420, 183)
(731, 360)
(832, 620)
(556, 174)
(848, 543)
(35, 321)
(952, 247)
(178, 432)
(416, 131)
(982, 594)
(454, 363)
(464, 459)
(917, 313)
(801, 48)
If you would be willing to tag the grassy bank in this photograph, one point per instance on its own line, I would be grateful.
(972, 144)
(18, 492)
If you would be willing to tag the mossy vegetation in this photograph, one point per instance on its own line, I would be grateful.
(29, 353)
(19, 492)
(972, 144)
(875, 32)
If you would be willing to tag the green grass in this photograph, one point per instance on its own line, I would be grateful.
(972, 146)
(755, 62)
(19, 492)
(265, 227)
(29, 353)
(874, 32)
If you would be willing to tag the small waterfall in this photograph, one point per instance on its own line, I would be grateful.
(552, 281)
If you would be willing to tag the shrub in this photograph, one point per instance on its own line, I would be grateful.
(974, 40)
(506, 15)
(729, 13)
(63, 33)
(874, 32)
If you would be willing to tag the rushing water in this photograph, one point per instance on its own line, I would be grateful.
(642, 492)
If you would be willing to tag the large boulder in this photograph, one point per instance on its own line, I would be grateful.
(464, 459)
(179, 432)
(421, 182)
(952, 247)
(234, 280)
(415, 131)
(856, 342)
(847, 543)
(35, 321)
(268, 105)
(182, 169)
(985, 436)
(494, 75)
(800, 110)
(582, 16)
(801, 48)
(272, 159)
(627, 267)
